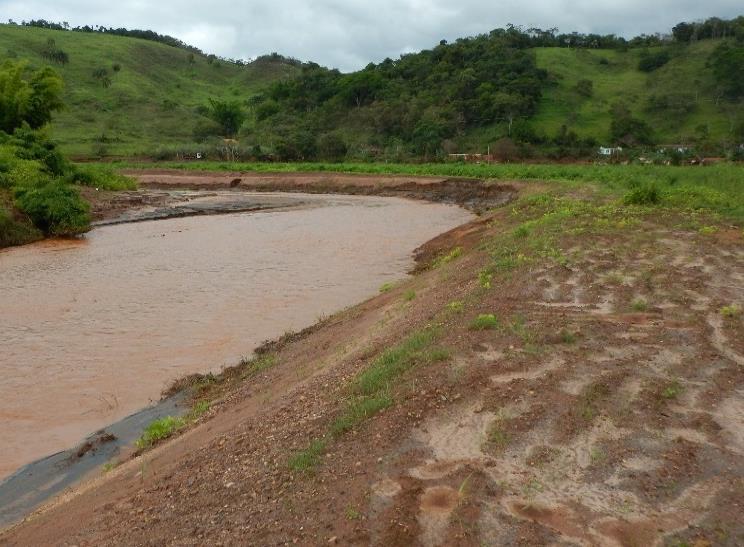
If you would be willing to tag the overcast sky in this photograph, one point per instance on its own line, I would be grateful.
(348, 34)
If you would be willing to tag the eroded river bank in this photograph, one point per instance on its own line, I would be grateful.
(94, 329)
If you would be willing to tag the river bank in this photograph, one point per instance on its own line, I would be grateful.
(565, 369)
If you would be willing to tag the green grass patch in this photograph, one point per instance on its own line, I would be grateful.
(485, 321)
(395, 361)
(307, 459)
(159, 430)
(387, 287)
(731, 311)
(672, 390)
(447, 258)
(359, 409)
(409, 295)
(639, 305)
(260, 363)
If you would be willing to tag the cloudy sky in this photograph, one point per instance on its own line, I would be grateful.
(348, 34)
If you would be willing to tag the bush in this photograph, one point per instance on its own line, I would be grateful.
(55, 208)
(15, 233)
(652, 61)
(643, 195)
(331, 147)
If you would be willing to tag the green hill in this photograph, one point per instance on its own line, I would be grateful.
(616, 77)
(153, 97)
(129, 96)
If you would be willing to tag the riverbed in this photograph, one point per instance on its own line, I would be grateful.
(95, 328)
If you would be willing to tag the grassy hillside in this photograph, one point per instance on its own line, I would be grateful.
(151, 99)
(616, 77)
(454, 98)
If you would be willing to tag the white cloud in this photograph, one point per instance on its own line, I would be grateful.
(349, 34)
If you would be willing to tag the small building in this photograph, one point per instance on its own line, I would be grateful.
(674, 148)
(610, 151)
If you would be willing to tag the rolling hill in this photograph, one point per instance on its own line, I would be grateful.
(128, 96)
(153, 97)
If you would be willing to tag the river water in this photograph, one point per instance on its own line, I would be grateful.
(94, 329)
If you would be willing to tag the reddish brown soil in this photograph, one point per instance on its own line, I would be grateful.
(627, 432)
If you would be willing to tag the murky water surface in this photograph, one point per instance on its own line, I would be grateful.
(93, 330)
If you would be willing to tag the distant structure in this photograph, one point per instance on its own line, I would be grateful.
(609, 151)
(471, 158)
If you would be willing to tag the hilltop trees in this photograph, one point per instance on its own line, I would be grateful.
(28, 98)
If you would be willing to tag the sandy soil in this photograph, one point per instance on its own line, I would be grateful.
(590, 421)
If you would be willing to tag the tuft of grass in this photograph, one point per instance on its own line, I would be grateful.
(456, 306)
(258, 364)
(447, 258)
(672, 391)
(485, 321)
(639, 304)
(309, 458)
(352, 513)
(645, 194)
(387, 287)
(159, 430)
(395, 361)
(497, 437)
(731, 311)
(708, 230)
(484, 279)
(359, 409)
(409, 295)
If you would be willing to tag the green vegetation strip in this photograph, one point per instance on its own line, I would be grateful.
(372, 390)
(715, 189)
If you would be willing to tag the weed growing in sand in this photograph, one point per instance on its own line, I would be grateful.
(456, 306)
(359, 409)
(731, 311)
(567, 337)
(159, 430)
(447, 258)
(110, 466)
(395, 361)
(497, 437)
(387, 287)
(198, 410)
(371, 391)
(639, 304)
(257, 364)
(409, 295)
(708, 230)
(352, 513)
(597, 455)
(307, 459)
(484, 279)
(672, 391)
(485, 321)
(590, 398)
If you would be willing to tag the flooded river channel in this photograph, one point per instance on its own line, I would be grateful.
(94, 329)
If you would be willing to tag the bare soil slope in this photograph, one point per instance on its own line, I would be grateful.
(573, 374)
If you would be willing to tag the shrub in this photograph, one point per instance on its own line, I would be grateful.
(646, 194)
(55, 208)
(485, 321)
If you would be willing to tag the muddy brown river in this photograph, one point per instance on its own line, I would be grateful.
(93, 329)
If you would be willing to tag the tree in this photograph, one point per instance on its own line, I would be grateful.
(585, 88)
(26, 97)
(727, 63)
(228, 114)
(627, 130)
(331, 147)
